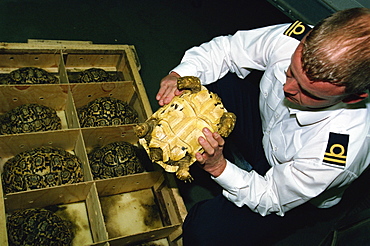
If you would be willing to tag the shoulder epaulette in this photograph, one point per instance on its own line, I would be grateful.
(336, 150)
(297, 30)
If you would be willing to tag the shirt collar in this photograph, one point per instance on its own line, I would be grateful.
(309, 117)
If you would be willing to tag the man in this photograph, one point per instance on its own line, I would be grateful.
(315, 116)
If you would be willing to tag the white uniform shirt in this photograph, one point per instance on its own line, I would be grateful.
(295, 141)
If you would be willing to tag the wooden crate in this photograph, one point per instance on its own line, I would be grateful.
(154, 193)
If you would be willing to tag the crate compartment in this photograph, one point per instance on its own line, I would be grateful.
(14, 59)
(95, 137)
(70, 140)
(56, 97)
(145, 202)
(76, 63)
(71, 202)
(100, 136)
(137, 208)
(112, 61)
(77, 213)
(125, 91)
(11, 61)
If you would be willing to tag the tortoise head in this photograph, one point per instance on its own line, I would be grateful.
(143, 129)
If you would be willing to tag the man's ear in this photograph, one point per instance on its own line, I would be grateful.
(355, 98)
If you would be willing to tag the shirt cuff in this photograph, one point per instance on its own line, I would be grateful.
(185, 69)
(232, 177)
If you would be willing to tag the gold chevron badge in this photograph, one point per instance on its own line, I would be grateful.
(336, 150)
(297, 30)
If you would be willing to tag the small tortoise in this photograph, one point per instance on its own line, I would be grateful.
(41, 167)
(38, 226)
(29, 118)
(114, 160)
(30, 75)
(106, 111)
(92, 75)
(170, 135)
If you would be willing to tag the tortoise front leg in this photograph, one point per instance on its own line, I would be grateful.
(189, 83)
(156, 154)
(227, 123)
(183, 171)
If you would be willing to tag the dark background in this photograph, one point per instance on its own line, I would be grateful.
(161, 30)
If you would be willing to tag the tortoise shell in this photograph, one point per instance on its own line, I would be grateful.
(170, 135)
(95, 75)
(114, 160)
(38, 226)
(30, 118)
(41, 167)
(31, 75)
(106, 111)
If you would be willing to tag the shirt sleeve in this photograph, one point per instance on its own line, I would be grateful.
(303, 174)
(238, 53)
(283, 187)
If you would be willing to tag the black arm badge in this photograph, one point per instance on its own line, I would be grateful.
(297, 30)
(336, 150)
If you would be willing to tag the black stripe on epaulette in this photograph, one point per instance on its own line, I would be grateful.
(297, 30)
(336, 150)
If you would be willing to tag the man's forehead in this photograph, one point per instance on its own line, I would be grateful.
(320, 89)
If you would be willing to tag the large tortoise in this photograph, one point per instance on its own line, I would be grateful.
(29, 118)
(106, 111)
(41, 167)
(170, 135)
(38, 226)
(114, 160)
(30, 75)
(93, 75)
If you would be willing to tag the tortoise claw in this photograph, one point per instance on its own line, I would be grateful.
(184, 176)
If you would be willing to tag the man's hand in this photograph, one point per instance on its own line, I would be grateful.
(168, 89)
(212, 160)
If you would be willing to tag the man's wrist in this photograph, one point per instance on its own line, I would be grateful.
(216, 171)
(175, 74)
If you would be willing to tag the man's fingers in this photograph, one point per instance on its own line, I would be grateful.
(200, 158)
(220, 140)
(167, 89)
(214, 139)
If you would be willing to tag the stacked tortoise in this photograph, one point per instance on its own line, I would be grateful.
(106, 111)
(114, 160)
(30, 75)
(92, 75)
(41, 167)
(29, 118)
(38, 226)
(170, 135)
